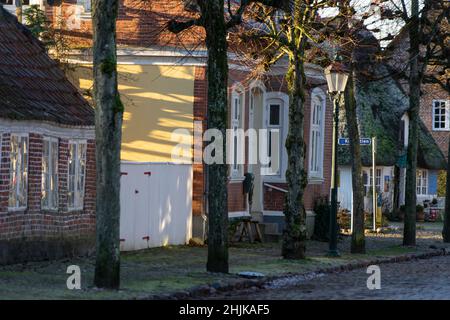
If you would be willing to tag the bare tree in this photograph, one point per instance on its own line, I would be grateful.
(423, 23)
(108, 130)
(215, 22)
(289, 33)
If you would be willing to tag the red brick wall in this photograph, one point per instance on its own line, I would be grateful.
(34, 223)
(4, 176)
(200, 104)
(432, 92)
(274, 199)
(429, 92)
(140, 23)
(236, 197)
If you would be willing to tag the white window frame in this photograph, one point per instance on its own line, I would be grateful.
(421, 182)
(23, 207)
(52, 171)
(271, 128)
(76, 206)
(237, 140)
(283, 99)
(379, 180)
(316, 154)
(447, 115)
(86, 5)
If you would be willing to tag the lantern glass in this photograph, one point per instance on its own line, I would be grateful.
(336, 79)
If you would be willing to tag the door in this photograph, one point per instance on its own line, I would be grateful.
(135, 205)
(156, 205)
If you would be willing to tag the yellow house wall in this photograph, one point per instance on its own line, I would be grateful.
(158, 100)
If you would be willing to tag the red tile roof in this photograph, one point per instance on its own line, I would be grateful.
(32, 86)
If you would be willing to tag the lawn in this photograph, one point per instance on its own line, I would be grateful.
(175, 268)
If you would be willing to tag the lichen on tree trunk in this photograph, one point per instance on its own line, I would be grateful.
(108, 130)
(217, 74)
(358, 244)
(409, 231)
(446, 230)
(294, 234)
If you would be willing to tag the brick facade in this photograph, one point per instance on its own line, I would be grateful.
(429, 92)
(200, 104)
(34, 233)
(432, 92)
(140, 23)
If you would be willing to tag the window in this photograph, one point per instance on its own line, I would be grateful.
(316, 139)
(237, 145)
(18, 173)
(49, 196)
(422, 182)
(378, 180)
(274, 137)
(441, 115)
(11, 2)
(85, 4)
(367, 180)
(76, 179)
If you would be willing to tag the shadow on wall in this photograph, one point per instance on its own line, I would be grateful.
(158, 100)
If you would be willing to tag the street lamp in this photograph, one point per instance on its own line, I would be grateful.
(337, 77)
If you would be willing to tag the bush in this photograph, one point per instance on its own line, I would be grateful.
(322, 223)
(344, 219)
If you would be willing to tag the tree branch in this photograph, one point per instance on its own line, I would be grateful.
(179, 26)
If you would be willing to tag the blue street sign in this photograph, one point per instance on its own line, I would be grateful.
(362, 141)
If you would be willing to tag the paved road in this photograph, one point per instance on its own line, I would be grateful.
(419, 279)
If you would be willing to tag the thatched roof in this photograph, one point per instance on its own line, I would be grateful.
(32, 86)
(381, 103)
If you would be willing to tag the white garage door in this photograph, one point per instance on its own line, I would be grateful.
(156, 205)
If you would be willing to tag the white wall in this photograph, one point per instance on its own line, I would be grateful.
(158, 206)
(345, 188)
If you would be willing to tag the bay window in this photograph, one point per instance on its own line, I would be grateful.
(76, 175)
(49, 196)
(18, 172)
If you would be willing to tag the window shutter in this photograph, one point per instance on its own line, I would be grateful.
(432, 182)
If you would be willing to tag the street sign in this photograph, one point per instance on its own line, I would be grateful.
(362, 141)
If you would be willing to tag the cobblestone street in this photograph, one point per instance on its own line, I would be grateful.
(417, 279)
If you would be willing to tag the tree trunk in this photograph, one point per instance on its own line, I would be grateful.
(446, 230)
(217, 73)
(108, 126)
(409, 232)
(358, 244)
(294, 234)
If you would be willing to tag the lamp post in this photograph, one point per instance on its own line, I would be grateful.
(337, 77)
